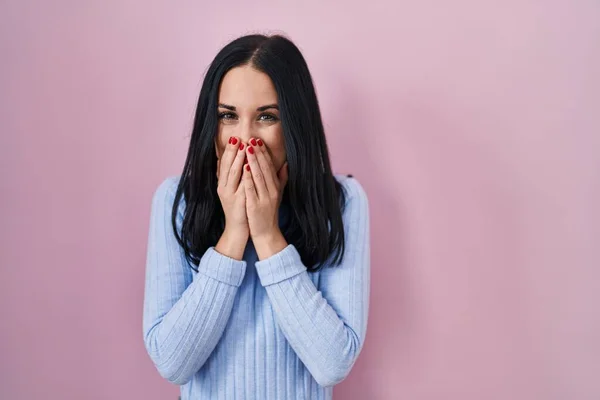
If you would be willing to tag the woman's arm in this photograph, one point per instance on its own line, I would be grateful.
(325, 328)
(184, 315)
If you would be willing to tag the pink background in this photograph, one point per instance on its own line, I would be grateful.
(473, 127)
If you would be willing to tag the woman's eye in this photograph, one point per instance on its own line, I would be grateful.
(226, 115)
(267, 117)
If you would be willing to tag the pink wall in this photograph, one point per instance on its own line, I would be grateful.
(474, 128)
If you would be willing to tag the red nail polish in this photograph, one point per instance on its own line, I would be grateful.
(241, 146)
(260, 142)
(253, 141)
(230, 139)
(251, 150)
(234, 141)
(247, 167)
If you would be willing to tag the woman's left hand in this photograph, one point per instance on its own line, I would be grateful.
(264, 187)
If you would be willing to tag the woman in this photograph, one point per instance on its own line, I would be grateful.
(257, 278)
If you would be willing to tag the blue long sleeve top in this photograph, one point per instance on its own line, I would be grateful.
(253, 329)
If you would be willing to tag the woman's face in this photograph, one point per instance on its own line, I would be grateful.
(248, 109)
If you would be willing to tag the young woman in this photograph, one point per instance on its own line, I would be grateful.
(257, 280)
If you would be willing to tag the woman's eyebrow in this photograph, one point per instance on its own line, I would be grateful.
(263, 108)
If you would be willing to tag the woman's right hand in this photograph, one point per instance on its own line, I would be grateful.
(233, 200)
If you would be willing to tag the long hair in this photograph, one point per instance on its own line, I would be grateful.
(314, 197)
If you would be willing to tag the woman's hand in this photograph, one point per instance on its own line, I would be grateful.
(233, 200)
(264, 187)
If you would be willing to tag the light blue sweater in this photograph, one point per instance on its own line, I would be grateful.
(265, 330)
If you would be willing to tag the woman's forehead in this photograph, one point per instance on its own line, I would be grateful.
(245, 87)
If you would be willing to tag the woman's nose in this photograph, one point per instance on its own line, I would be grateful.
(246, 132)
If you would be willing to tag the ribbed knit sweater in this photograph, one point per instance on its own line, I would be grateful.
(250, 329)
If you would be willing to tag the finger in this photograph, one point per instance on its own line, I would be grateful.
(257, 175)
(249, 188)
(227, 159)
(266, 165)
(282, 175)
(235, 172)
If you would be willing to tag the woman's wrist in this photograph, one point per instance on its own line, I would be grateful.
(269, 244)
(232, 243)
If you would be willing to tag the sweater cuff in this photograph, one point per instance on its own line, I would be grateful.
(280, 266)
(222, 268)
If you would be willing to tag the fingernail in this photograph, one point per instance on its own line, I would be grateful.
(260, 143)
(247, 167)
(233, 141)
(241, 146)
(230, 139)
(253, 141)
(251, 150)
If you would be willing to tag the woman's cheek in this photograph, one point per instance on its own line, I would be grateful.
(222, 139)
(220, 148)
(278, 156)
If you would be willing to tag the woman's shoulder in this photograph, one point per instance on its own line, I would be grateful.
(355, 193)
(165, 192)
(168, 186)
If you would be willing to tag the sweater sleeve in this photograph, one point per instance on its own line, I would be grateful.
(185, 313)
(326, 327)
